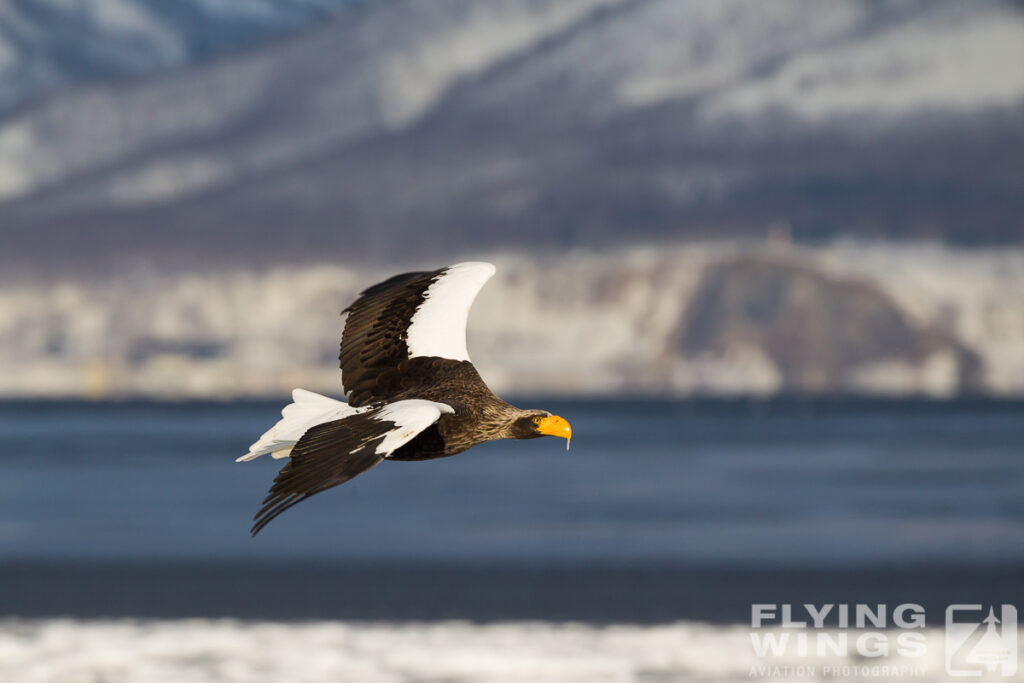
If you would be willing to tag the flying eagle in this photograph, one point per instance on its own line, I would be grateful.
(413, 393)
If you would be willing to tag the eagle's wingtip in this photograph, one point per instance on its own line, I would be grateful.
(482, 266)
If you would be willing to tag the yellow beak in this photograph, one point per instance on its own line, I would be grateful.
(556, 426)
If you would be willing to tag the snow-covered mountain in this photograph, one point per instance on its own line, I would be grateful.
(456, 125)
(49, 44)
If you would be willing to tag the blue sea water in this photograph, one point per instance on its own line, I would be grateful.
(696, 481)
(829, 486)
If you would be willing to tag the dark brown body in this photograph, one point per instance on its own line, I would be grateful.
(479, 416)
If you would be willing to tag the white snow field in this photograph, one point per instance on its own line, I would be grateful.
(199, 650)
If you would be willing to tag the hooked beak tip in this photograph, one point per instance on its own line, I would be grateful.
(555, 425)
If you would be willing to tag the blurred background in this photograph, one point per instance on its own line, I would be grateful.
(768, 259)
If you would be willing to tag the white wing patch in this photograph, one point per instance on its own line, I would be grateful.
(438, 327)
(308, 410)
(410, 418)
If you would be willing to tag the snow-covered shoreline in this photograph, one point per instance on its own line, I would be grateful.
(196, 650)
(586, 323)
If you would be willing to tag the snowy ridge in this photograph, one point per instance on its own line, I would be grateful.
(47, 44)
(385, 82)
(520, 102)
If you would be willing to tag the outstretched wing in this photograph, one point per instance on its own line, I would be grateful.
(408, 316)
(334, 452)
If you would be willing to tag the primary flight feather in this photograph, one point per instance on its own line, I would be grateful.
(413, 393)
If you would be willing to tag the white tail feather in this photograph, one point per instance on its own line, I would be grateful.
(307, 410)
